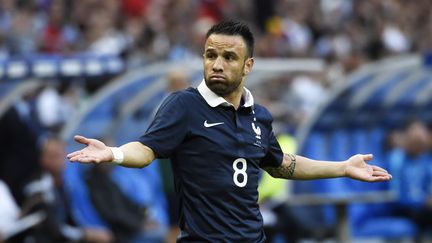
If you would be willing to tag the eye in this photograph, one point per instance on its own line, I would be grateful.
(210, 55)
(230, 57)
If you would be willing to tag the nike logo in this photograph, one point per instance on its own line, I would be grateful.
(206, 124)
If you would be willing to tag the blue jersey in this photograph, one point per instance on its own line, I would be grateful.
(216, 154)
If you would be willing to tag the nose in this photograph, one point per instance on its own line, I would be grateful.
(218, 65)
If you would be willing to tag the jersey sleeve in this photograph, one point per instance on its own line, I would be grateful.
(168, 128)
(274, 155)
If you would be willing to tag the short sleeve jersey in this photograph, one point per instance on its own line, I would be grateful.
(216, 153)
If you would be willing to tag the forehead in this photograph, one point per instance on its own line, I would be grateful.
(233, 43)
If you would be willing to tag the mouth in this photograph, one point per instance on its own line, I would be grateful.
(217, 77)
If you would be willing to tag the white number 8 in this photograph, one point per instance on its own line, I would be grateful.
(240, 171)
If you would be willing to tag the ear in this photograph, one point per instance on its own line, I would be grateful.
(248, 66)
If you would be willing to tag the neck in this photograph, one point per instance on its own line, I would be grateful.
(235, 97)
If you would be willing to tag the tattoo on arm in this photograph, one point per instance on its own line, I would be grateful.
(286, 170)
(291, 166)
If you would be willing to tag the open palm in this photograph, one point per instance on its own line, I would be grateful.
(358, 168)
(94, 152)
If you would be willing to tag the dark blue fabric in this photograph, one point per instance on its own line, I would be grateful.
(213, 207)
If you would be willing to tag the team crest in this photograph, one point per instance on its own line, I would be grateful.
(257, 130)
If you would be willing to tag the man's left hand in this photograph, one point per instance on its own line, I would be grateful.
(358, 168)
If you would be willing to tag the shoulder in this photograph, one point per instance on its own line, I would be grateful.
(178, 102)
(186, 95)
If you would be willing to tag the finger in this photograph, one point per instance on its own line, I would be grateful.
(379, 168)
(78, 157)
(73, 154)
(75, 158)
(84, 159)
(81, 139)
(367, 157)
(380, 173)
(380, 178)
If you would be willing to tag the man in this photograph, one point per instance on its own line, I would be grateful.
(218, 140)
(410, 162)
(45, 192)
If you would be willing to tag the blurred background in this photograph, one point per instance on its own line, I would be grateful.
(340, 77)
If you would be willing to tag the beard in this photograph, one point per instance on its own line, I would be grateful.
(223, 88)
(226, 86)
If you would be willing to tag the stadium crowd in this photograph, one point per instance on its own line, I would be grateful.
(344, 33)
(349, 32)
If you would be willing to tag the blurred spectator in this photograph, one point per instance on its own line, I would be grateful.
(9, 210)
(409, 163)
(307, 91)
(131, 203)
(177, 80)
(23, 31)
(45, 192)
(101, 35)
(55, 103)
(394, 40)
(293, 97)
(56, 35)
(49, 108)
(130, 220)
(134, 8)
(262, 12)
(281, 102)
(20, 149)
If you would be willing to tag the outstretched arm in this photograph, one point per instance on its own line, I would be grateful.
(356, 167)
(135, 154)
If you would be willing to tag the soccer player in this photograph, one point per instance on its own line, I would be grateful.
(218, 139)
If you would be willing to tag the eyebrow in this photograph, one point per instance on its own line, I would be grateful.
(230, 53)
(210, 49)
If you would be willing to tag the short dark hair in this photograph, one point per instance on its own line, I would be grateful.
(231, 27)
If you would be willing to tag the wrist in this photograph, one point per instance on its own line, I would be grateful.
(343, 168)
(118, 155)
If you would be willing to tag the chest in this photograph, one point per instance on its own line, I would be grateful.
(225, 148)
(233, 133)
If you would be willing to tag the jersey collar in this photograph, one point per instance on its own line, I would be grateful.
(215, 100)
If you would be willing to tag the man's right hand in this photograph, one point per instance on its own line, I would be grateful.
(94, 152)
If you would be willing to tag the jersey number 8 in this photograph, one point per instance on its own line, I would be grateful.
(240, 171)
